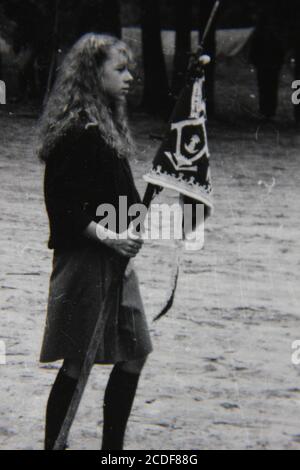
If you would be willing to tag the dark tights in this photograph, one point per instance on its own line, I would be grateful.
(118, 399)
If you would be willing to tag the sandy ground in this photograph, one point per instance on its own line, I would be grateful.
(221, 375)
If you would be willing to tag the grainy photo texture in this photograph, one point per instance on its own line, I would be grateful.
(149, 240)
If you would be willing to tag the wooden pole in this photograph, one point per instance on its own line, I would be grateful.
(89, 361)
(207, 31)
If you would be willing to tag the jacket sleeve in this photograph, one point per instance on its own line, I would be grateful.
(68, 177)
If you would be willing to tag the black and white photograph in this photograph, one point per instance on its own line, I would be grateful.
(149, 227)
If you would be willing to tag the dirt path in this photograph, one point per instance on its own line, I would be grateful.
(221, 375)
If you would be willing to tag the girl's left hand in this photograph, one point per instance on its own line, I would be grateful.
(125, 246)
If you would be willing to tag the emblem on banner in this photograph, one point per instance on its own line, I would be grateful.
(182, 161)
(189, 140)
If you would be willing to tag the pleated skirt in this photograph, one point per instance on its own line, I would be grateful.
(79, 282)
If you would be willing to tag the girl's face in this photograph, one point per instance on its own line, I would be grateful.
(115, 76)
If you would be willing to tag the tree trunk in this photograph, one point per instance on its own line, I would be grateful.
(206, 7)
(100, 16)
(156, 89)
(183, 43)
(55, 46)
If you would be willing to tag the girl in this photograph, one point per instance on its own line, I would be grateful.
(85, 145)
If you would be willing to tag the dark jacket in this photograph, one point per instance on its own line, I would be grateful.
(81, 173)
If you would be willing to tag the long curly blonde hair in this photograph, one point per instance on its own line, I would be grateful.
(78, 89)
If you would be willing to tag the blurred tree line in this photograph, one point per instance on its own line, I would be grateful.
(39, 30)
